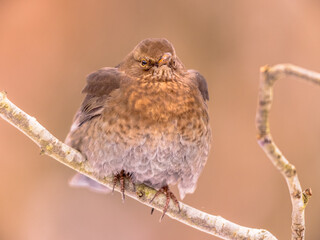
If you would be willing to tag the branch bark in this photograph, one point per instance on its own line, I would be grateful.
(51, 146)
(299, 199)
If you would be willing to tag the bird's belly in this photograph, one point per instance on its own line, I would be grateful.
(160, 160)
(154, 157)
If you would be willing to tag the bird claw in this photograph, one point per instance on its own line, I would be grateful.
(169, 195)
(120, 177)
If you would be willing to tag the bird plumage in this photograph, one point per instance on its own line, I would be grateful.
(147, 116)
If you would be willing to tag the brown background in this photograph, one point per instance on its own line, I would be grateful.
(48, 47)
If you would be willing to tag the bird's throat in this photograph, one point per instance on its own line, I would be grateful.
(161, 74)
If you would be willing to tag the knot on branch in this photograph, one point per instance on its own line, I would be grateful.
(298, 231)
(290, 170)
(270, 76)
(307, 194)
(264, 138)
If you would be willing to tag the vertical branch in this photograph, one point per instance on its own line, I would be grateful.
(299, 199)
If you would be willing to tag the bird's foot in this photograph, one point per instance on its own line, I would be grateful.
(121, 177)
(169, 195)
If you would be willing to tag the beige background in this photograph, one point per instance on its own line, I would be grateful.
(48, 47)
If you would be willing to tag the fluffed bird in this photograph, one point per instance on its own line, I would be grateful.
(145, 120)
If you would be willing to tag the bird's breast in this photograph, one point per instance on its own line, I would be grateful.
(162, 101)
(157, 108)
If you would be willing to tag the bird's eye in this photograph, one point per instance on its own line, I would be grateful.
(174, 64)
(144, 63)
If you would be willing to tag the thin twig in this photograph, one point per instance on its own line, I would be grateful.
(214, 225)
(299, 199)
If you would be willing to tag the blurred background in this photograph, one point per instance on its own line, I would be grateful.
(48, 47)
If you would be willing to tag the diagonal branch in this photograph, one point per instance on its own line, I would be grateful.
(51, 146)
(299, 199)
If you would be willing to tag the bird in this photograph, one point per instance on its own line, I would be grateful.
(145, 121)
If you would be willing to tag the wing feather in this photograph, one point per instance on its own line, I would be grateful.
(100, 85)
(200, 82)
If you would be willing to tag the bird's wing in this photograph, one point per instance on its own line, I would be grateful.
(196, 154)
(200, 82)
(99, 86)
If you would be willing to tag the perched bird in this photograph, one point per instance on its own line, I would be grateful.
(145, 120)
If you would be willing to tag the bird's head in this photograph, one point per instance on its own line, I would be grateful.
(153, 57)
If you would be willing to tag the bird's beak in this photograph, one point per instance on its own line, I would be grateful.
(165, 59)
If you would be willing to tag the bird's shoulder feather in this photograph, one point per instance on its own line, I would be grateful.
(99, 86)
(200, 82)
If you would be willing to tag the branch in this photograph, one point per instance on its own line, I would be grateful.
(299, 199)
(51, 146)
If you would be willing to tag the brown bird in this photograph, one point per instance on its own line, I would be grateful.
(145, 120)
